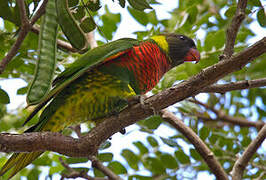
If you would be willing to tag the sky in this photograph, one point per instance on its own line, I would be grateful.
(126, 29)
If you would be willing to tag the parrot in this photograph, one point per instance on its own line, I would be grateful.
(101, 81)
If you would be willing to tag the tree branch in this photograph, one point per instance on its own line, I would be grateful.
(246, 84)
(199, 145)
(233, 28)
(75, 174)
(221, 116)
(242, 162)
(25, 28)
(88, 145)
(97, 164)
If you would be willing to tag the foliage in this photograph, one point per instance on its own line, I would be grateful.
(159, 155)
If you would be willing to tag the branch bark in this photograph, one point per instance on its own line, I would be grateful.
(97, 164)
(88, 145)
(25, 28)
(200, 146)
(233, 28)
(242, 162)
(246, 84)
(76, 174)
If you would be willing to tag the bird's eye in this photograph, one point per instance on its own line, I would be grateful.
(182, 38)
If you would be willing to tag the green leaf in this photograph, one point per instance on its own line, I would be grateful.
(255, 3)
(153, 122)
(194, 154)
(246, 141)
(117, 167)
(139, 4)
(79, 13)
(122, 3)
(153, 142)
(110, 21)
(169, 161)
(154, 165)
(73, 160)
(141, 147)
(139, 16)
(33, 173)
(169, 142)
(219, 39)
(152, 17)
(73, 3)
(131, 158)
(139, 177)
(22, 90)
(44, 160)
(261, 16)
(4, 98)
(88, 25)
(230, 12)
(204, 132)
(209, 41)
(105, 157)
(56, 169)
(98, 173)
(94, 5)
(182, 157)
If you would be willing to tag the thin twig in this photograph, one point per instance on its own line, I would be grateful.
(242, 162)
(199, 145)
(72, 173)
(25, 28)
(63, 45)
(232, 120)
(233, 28)
(98, 164)
(221, 116)
(233, 158)
(39, 13)
(239, 85)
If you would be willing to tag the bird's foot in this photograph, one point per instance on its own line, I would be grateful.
(141, 99)
(123, 131)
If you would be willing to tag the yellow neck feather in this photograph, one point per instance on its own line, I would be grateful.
(161, 41)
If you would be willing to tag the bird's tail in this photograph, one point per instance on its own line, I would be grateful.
(20, 160)
(17, 162)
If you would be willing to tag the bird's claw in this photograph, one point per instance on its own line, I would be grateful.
(141, 99)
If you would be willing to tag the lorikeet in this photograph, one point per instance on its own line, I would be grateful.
(100, 82)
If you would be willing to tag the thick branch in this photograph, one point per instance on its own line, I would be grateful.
(233, 28)
(25, 28)
(199, 145)
(88, 144)
(246, 84)
(242, 162)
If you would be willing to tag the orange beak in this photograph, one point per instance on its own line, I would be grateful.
(192, 55)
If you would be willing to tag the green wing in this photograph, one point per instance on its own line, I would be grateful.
(89, 60)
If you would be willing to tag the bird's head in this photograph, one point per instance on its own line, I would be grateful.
(179, 48)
